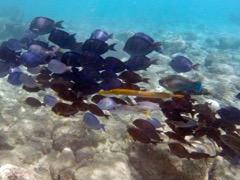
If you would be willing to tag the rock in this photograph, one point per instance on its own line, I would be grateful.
(228, 43)
(5, 143)
(174, 45)
(220, 69)
(85, 153)
(60, 166)
(9, 171)
(27, 154)
(114, 167)
(67, 157)
(211, 41)
(25, 129)
(73, 136)
(43, 145)
(190, 36)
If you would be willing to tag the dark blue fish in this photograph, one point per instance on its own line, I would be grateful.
(140, 45)
(230, 114)
(50, 100)
(182, 64)
(113, 64)
(97, 46)
(100, 35)
(144, 36)
(26, 41)
(77, 48)
(62, 39)
(89, 74)
(4, 69)
(92, 122)
(238, 96)
(30, 60)
(43, 25)
(136, 63)
(86, 87)
(92, 60)
(236, 161)
(13, 44)
(150, 39)
(7, 54)
(14, 78)
(107, 74)
(111, 83)
(43, 44)
(72, 59)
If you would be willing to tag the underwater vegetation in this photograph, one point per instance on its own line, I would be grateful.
(83, 80)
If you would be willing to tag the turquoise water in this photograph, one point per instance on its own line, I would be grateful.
(137, 14)
(205, 30)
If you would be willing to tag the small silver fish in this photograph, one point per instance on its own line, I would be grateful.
(127, 109)
(28, 81)
(92, 121)
(57, 66)
(154, 122)
(106, 103)
(147, 105)
(50, 100)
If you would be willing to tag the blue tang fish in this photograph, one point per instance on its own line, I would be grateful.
(57, 66)
(44, 25)
(182, 64)
(154, 122)
(100, 35)
(50, 100)
(4, 68)
(106, 103)
(230, 114)
(92, 121)
(14, 78)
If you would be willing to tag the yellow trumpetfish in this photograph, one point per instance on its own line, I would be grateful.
(139, 93)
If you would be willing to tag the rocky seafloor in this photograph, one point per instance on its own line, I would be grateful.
(37, 144)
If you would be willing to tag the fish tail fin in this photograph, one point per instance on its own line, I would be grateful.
(196, 66)
(59, 24)
(154, 61)
(157, 47)
(145, 80)
(106, 116)
(72, 36)
(110, 36)
(111, 47)
(102, 126)
(197, 86)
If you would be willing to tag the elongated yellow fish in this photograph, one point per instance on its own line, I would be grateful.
(145, 94)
